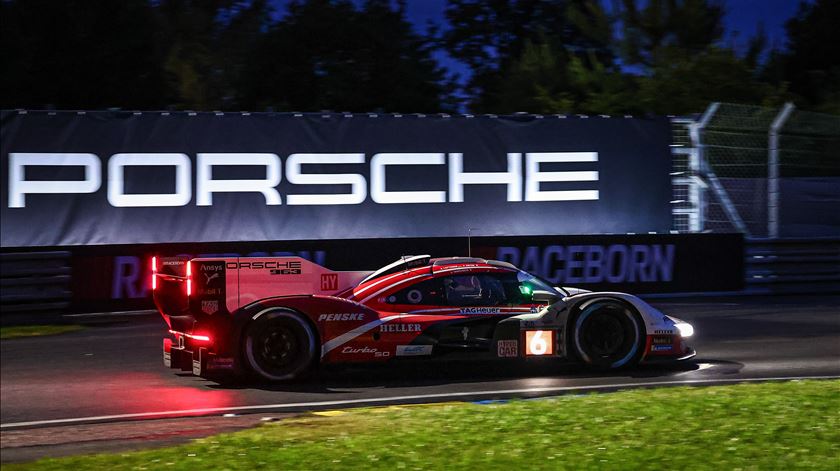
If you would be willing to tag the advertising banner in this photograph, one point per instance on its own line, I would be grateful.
(91, 178)
(118, 277)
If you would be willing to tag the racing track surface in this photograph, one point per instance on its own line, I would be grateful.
(117, 369)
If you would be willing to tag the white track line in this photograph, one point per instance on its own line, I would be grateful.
(375, 400)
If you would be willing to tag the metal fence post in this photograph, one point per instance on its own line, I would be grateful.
(773, 171)
(709, 174)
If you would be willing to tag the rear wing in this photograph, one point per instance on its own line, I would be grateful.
(211, 285)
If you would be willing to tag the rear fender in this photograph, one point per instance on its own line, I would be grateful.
(329, 316)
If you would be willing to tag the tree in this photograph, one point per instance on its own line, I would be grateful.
(545, 81)
(80, 54)
(689, 26)
(811, 64)
(206, 43)
(519, 51)
(331, 55)
(682, 67)
(683, 84)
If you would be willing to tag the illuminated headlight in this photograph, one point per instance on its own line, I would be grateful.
(686, 330)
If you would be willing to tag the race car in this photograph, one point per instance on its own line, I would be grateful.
(279, 317)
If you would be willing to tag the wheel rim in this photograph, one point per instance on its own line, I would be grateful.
(281, 349)
(604, 335)
(607, 335)
(277, 348)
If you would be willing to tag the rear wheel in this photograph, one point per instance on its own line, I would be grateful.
(608, 335)
(279, 345)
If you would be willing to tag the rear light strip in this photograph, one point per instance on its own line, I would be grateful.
(199, 338)
(189, 278)
(154, 273)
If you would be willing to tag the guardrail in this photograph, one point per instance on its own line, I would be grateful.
(35, 281)
(793, 266)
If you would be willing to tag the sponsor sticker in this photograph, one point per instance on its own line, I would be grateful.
(413, 350)
(277, 267)
(220, 363)
(210, 277)
(209, 306)
(396, 328)
(507, 348)
(480, 310)
(329, 281)
(660, 348)
(364, 351)
(346, 316)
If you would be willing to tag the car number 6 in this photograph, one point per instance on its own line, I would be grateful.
(538, 345)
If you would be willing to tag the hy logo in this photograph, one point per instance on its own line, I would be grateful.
(210, 277)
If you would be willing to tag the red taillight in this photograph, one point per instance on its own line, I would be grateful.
(154, 273)
(196, 337)
(189, 278)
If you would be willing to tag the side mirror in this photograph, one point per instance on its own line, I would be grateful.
(543, 297)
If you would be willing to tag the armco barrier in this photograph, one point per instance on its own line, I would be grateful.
(37, 282)
(793, 266)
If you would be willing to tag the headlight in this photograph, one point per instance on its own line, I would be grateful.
(686, 330)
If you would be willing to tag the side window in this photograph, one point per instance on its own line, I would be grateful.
(482, 290)
(426, 293)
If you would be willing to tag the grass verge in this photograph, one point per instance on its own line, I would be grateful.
(790, 425)
(18, 331)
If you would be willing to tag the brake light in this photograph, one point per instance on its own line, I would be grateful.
(154, 273)
(196, 337)
(189, 278)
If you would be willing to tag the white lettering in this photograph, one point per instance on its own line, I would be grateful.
(342, 317)
(378, 188)
(533, 176)
(116, 179)
(358, 184)
(19, 187)
(458, 178)
(205, 184)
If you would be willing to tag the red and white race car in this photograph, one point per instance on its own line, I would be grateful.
(279, 317)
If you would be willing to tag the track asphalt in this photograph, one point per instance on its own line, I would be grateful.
(115, 372)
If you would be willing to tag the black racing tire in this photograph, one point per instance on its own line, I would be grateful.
(608, 335)
(279, 345)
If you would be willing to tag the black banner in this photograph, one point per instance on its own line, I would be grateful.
(118, 277)
(124, 178)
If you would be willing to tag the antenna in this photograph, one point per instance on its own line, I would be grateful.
(469, 240)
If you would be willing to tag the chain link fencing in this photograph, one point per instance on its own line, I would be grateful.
(766, 172)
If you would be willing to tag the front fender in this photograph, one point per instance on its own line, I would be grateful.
(557, 317)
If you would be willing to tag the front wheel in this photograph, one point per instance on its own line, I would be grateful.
(608, 335)
(279, 345)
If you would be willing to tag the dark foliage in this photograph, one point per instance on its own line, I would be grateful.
(545, 56)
